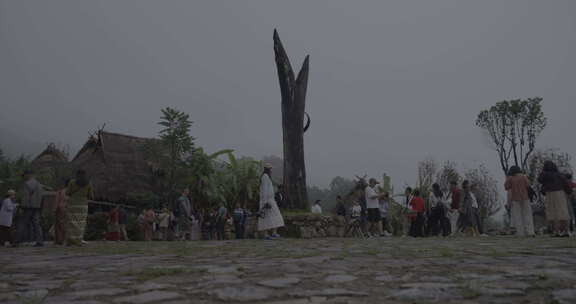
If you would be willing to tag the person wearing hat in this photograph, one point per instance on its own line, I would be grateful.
(373, 208)
(6, 217)
(271, 218)
(31, 206)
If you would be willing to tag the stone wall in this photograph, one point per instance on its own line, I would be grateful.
(305, 226)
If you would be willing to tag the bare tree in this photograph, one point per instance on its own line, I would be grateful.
(447, 174)
(426, 173)
(561, 159)
(486, 190)
(293, 91)
(513, 127)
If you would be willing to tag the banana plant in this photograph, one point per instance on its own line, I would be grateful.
(240, 180)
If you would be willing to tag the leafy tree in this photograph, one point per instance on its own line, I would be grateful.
(199, 170)
(213, 181)
(168, 154)
(240, 181)
(11, 171)
(176, 138)
(317, 193)
(513, 126)
(338, 186)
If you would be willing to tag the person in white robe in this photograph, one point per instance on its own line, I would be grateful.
(271, 218)
(316, 208)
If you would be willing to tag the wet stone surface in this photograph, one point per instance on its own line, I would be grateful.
(385, 270)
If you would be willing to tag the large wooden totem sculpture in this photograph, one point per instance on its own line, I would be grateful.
(293, 91)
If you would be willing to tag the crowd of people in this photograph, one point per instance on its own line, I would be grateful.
(456, 211)
(447, 212)
(181, 222)
(71, 212)
(444, 213)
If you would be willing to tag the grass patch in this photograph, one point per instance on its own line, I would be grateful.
(469, 293)
(372, 252)
(446, 253)
(33, 300)
(497, 253)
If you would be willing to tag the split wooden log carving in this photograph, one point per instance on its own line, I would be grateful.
(293, 91)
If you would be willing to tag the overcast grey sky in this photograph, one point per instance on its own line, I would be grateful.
(391, 82)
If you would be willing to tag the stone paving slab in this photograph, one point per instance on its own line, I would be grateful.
(386, 270)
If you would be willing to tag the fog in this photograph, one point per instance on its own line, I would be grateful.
(391, 83)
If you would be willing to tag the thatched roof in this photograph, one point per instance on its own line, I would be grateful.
(116, 165)
(50, 158)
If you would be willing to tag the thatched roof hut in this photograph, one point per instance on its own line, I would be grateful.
(116, 165)
(52, 167)
(50, 158)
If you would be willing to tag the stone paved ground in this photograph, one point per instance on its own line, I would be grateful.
(390, 270)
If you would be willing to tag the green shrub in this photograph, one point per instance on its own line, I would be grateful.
(96, 226)
(133, 229)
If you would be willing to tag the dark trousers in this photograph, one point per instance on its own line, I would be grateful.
(385, 224)
(438, 222)
(239, 228)
(478, 221)
(5, 235)
(417, 226)
(220, 228)
(30, 220)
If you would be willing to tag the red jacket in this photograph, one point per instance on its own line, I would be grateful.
(455, 199)
(417, 204)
